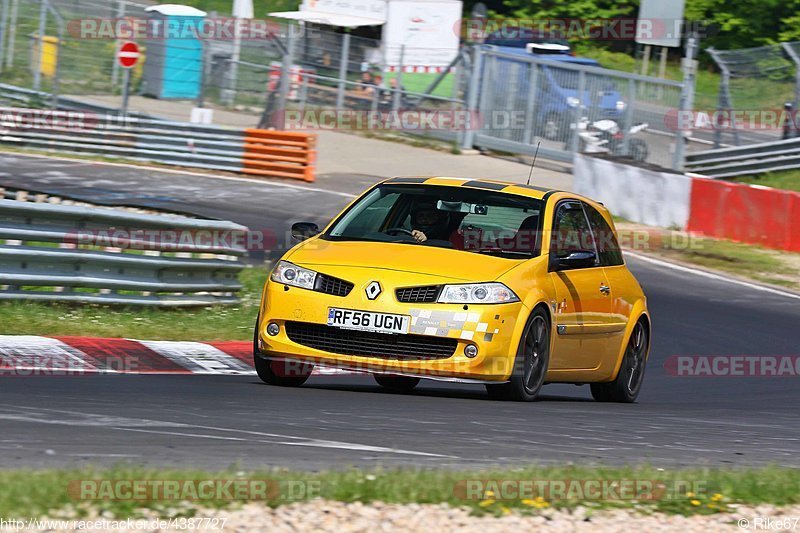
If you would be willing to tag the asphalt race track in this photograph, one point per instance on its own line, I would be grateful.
(334, 421)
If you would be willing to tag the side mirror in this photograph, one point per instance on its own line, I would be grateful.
(304, 230)
(575, 260)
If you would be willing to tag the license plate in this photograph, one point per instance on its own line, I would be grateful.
(368, 321)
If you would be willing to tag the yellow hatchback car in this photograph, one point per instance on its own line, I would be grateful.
(478, 281)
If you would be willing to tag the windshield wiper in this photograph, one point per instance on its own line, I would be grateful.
(501, 252)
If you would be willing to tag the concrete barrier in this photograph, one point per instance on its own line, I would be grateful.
(655, 198)
(746, 213)
(739, 212)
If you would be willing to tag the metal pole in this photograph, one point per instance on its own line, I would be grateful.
(57, 76)
(687, 101)
(115, 65)
(286, 67)
(3, 29)
(662, 70)
(37, 74)
(126, 86)
(646, 60)
(203, 75)
(398, 93)
(232, 72)
(12, 33)
(343, 64)
(576, 113)
(472, 97)
(796, 59)
(530, 103)
(627, 120)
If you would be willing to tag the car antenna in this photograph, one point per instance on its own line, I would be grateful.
(533, 163)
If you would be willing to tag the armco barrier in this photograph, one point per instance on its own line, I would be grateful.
(259, 152)
(637, 194)
(745, 160)
(98, 255)
(746, 213)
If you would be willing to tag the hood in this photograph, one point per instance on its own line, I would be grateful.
(446, 263)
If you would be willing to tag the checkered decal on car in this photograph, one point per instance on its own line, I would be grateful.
(464, 325)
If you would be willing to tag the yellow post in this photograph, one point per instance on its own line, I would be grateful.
(49, 54)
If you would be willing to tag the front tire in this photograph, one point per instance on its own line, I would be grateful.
(277, 372)
(626, 387)
(396, 383)
(530, 364)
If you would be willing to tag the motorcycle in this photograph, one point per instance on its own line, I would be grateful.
(605, 135)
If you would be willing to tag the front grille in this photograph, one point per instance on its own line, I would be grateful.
(412, 295)
(331, 285)
(369, 344)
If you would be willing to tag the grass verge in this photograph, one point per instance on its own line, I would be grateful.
(743, 260)
(788, 180)
(56, 493)
(204, 323)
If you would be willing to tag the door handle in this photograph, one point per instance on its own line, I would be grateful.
(605, 289)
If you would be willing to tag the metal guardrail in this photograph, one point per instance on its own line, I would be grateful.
(743, 160)
(266, 153)
(24, 97)
(98, 255)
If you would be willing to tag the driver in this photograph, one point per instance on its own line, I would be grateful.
(427, 222)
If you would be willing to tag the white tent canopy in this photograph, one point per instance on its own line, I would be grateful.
(331, 19)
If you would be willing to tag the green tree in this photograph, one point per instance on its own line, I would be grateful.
(734, 24)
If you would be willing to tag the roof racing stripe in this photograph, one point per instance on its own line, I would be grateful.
(532, 187)
(407, 180)
(485, 185)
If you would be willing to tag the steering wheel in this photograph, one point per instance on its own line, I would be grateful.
(392, 231)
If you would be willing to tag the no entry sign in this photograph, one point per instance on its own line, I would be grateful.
(128, 54)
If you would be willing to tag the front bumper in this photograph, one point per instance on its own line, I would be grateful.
(493, 329)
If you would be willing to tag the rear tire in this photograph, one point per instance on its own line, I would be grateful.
(394, 383)
(530, 364)
(628, 383)
(277, 372)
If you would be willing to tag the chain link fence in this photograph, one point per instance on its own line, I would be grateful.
(510, 102)
(569, 107)
(754, 84)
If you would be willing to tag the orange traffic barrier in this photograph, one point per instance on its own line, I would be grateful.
(279, 154)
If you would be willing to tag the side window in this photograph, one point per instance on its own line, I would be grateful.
(571, 231)
(373, 217)
(607, 244)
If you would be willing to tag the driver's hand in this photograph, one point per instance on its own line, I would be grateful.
(417, 234)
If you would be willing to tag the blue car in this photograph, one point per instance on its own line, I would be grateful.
(557, 93)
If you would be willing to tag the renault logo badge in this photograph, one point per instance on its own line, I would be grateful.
(373, 290)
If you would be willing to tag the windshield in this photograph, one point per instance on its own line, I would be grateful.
(470, 220)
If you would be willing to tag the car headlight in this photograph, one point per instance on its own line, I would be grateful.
(293, 275)
(477, 293)
(621, 105)
(573, 102)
